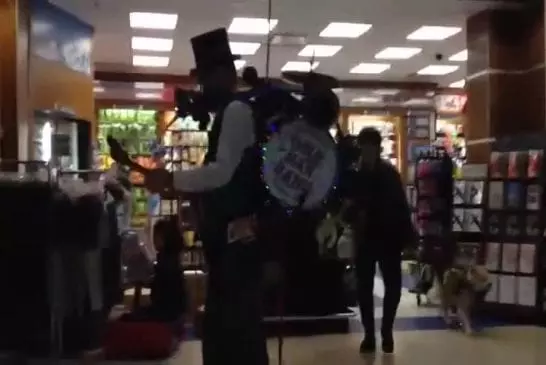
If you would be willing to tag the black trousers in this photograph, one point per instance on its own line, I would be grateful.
(390, 265)
(232, 324)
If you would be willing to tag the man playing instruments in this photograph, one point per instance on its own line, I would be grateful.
(232, 328)
(381, 220)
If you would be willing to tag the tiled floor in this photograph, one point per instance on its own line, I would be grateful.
(499, 346)
(421, 339)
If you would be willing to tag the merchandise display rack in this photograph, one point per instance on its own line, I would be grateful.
(434, 205)
(185, 148)
(514, 250)
(467, 226)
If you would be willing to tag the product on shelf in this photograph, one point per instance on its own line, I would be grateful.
(387, 129)
(513, 248)
(136, 130)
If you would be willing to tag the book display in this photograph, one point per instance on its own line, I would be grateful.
(514, 250)
(136, 130)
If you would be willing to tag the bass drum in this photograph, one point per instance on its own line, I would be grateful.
(300, 166)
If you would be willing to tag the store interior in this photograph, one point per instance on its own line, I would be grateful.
(104, 80)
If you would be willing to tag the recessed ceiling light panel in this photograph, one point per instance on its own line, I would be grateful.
(98, 89)
(370, 68)
(433, 33)
(459, 57)
(438, 70)
(319, 50)
(152, 44)
(368, 100)
(458, 84)
(148, 95)
(344, 30)
(418, 101)
(150, 61)
(239, 64)
(397, 53)
(252, 26)
(244, 48)
(300, 66)
(161, 21)
(149, 85)
(386, 92)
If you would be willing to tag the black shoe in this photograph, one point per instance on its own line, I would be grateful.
(367, 346)
(387, 345)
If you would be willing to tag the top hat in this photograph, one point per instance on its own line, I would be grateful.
(211, 50)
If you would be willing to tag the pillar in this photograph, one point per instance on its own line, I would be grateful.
(14, 111)
(505, 76)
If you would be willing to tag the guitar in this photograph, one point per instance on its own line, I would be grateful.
(120, 156)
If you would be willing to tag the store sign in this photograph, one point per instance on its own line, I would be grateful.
(60, 37)
(300, 165)
(450, 104)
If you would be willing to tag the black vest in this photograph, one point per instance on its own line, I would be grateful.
(243, 195)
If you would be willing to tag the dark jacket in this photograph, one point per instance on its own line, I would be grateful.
(380, 214)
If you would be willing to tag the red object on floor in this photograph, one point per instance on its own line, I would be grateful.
(139, 341)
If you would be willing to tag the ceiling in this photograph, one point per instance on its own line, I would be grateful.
(391, 20)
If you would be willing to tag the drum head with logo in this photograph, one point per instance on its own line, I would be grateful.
(300, 165)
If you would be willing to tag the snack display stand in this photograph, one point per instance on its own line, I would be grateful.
(514, 250)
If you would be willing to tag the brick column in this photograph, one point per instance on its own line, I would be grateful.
(505, 76)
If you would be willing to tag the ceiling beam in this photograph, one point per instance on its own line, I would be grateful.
(187, 81)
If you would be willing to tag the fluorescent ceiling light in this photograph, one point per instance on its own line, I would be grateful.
(344, 30)
(386, 92)
(244, 48)
(150, 61)
(148, 95)
(253, 26)
(459, 57)
(433, 33)
(370, 68)
(367, 99)
(418, 101)
(338, 90)
(98, 89)
(397, 53)
(153, 20)
(438, 70)
(149, 85)
(458, 84)
(239, 64)
(300, 66)
(152, 44)
(319, 50)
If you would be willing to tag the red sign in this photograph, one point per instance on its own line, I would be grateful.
(450, 104)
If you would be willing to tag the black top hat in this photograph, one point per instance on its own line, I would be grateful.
(211, 50)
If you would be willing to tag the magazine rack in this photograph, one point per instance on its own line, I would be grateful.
(514, 250)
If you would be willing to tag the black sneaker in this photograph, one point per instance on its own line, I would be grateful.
(367, 346)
